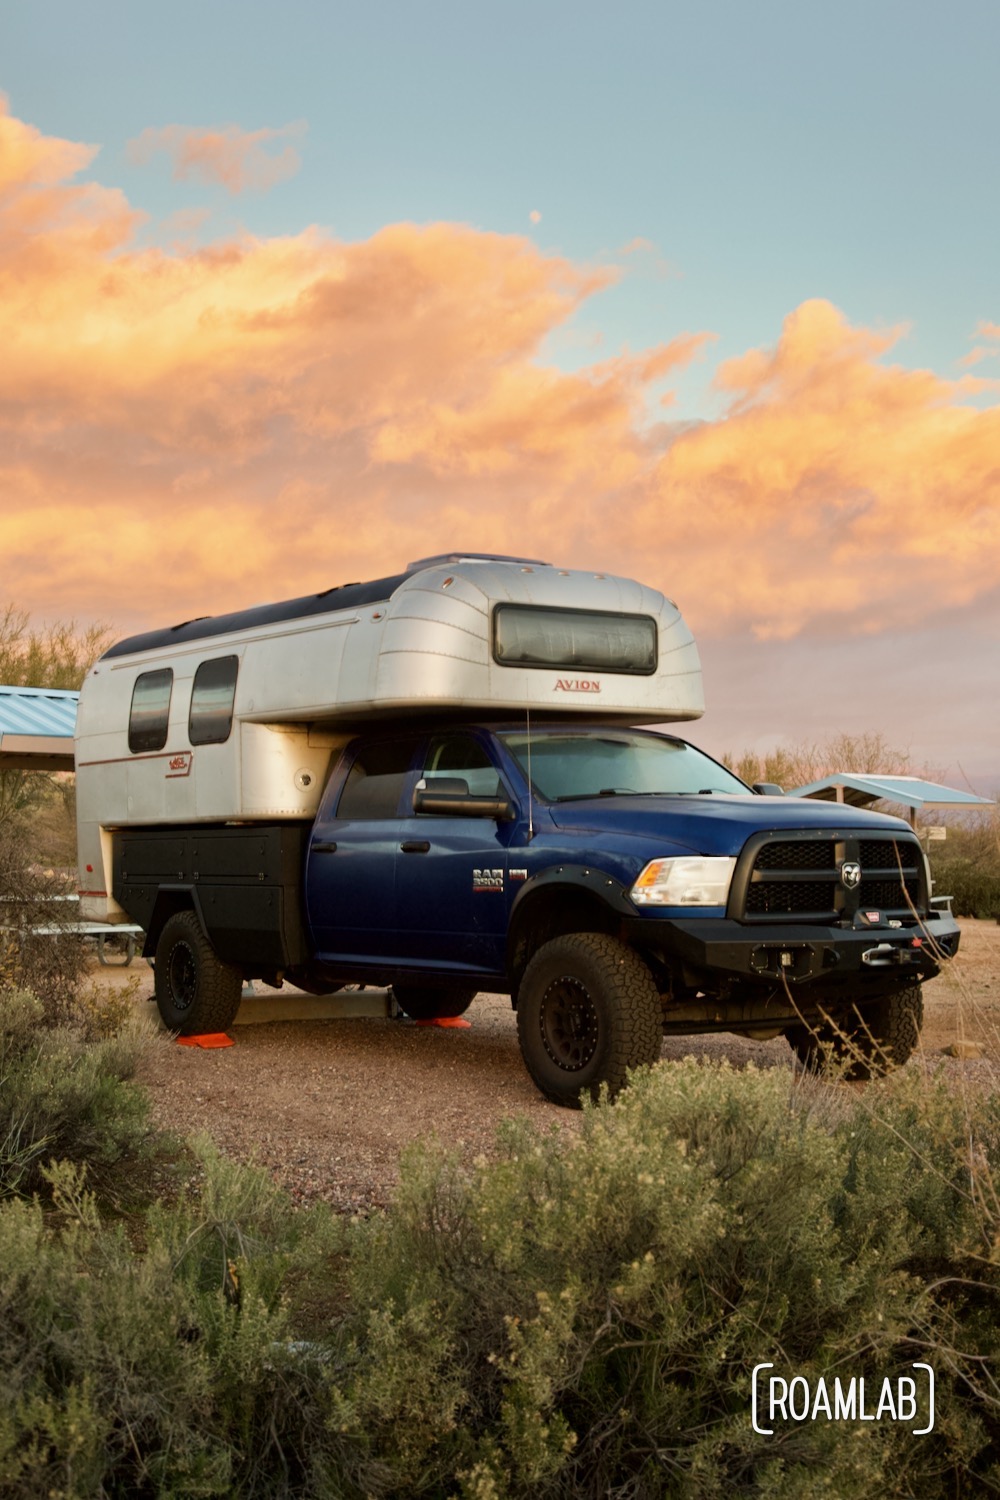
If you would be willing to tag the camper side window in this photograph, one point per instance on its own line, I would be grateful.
(212, 697)
(150, 713)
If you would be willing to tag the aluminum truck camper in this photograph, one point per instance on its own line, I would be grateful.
(236, 718)
(438, 782)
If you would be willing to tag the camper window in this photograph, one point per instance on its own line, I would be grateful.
(212, 698)
(599, 641)
(148, 719)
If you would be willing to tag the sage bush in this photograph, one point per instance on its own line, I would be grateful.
(580, 1316)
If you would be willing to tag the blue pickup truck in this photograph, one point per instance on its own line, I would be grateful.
(435, 782)
(616, 882)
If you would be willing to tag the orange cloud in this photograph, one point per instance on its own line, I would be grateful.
(856, 493)
(235, 158)
(30, 161)
(192, 430)
(983, 351)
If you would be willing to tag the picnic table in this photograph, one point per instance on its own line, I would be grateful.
(126, 933)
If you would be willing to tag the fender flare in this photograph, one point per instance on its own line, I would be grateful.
(169, 900)
(598, 885)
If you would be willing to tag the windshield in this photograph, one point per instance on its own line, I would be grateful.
(607, 762)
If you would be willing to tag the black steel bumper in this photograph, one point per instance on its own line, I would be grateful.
(724, 949)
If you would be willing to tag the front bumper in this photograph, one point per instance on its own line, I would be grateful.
(715, 950)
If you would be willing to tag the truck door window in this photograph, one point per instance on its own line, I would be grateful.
(375, 781)
(212, 699)
(147, 722)
(451, 755)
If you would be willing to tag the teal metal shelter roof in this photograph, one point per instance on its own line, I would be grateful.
(907, 791)
(36, 728)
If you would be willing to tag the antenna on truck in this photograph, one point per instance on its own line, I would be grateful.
(527, 725)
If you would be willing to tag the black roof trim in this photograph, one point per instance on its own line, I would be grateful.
(341, 596)
(346, 596)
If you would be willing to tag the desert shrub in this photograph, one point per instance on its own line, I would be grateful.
(51, 967)
(101, 1013)
(579, 1318)
(64, 1097)
(583, 1318)
(56, 655)
(967, 865)
(798, 765)
(168, 1372)
(975, 889)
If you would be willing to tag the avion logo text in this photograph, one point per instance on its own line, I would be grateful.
(576, 685)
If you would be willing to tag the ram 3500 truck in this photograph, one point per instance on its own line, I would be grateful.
(435, 782)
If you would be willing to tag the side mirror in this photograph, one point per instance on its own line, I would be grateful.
(768, 789)
(449, 797)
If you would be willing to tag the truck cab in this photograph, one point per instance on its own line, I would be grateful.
(456, 858)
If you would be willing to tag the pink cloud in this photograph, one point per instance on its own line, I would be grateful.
(983, 351)
(235, 158)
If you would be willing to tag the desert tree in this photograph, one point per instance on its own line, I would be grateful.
(57, 655)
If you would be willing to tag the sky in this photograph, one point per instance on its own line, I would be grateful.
(704, 295)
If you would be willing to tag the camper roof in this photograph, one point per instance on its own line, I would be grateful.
(340, 596)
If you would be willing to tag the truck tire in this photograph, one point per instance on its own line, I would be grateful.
(433, 1002)
(870, 1042)
(588, 1010)
(195, 992)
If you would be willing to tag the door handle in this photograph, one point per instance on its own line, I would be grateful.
(324, 848)
(415, 846)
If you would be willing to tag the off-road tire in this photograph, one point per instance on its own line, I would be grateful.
(588, 1010)
(433, 1002)
(871, 1041)
(195, 991)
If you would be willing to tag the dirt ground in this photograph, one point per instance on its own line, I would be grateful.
(328, 1105)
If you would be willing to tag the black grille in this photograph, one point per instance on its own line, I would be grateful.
(800, 854)
(887, 854)
(776, 898)
(889, 894)
(800, 878)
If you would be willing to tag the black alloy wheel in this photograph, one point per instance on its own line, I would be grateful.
(588, 1011)
(569, 1023)
(195, 991)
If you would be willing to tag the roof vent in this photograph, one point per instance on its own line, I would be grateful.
(447, 558)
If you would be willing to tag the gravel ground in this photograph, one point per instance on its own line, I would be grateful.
(328, 1105)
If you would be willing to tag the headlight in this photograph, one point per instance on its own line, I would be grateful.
(694, 880)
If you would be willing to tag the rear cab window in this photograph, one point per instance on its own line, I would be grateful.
(375, 783)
